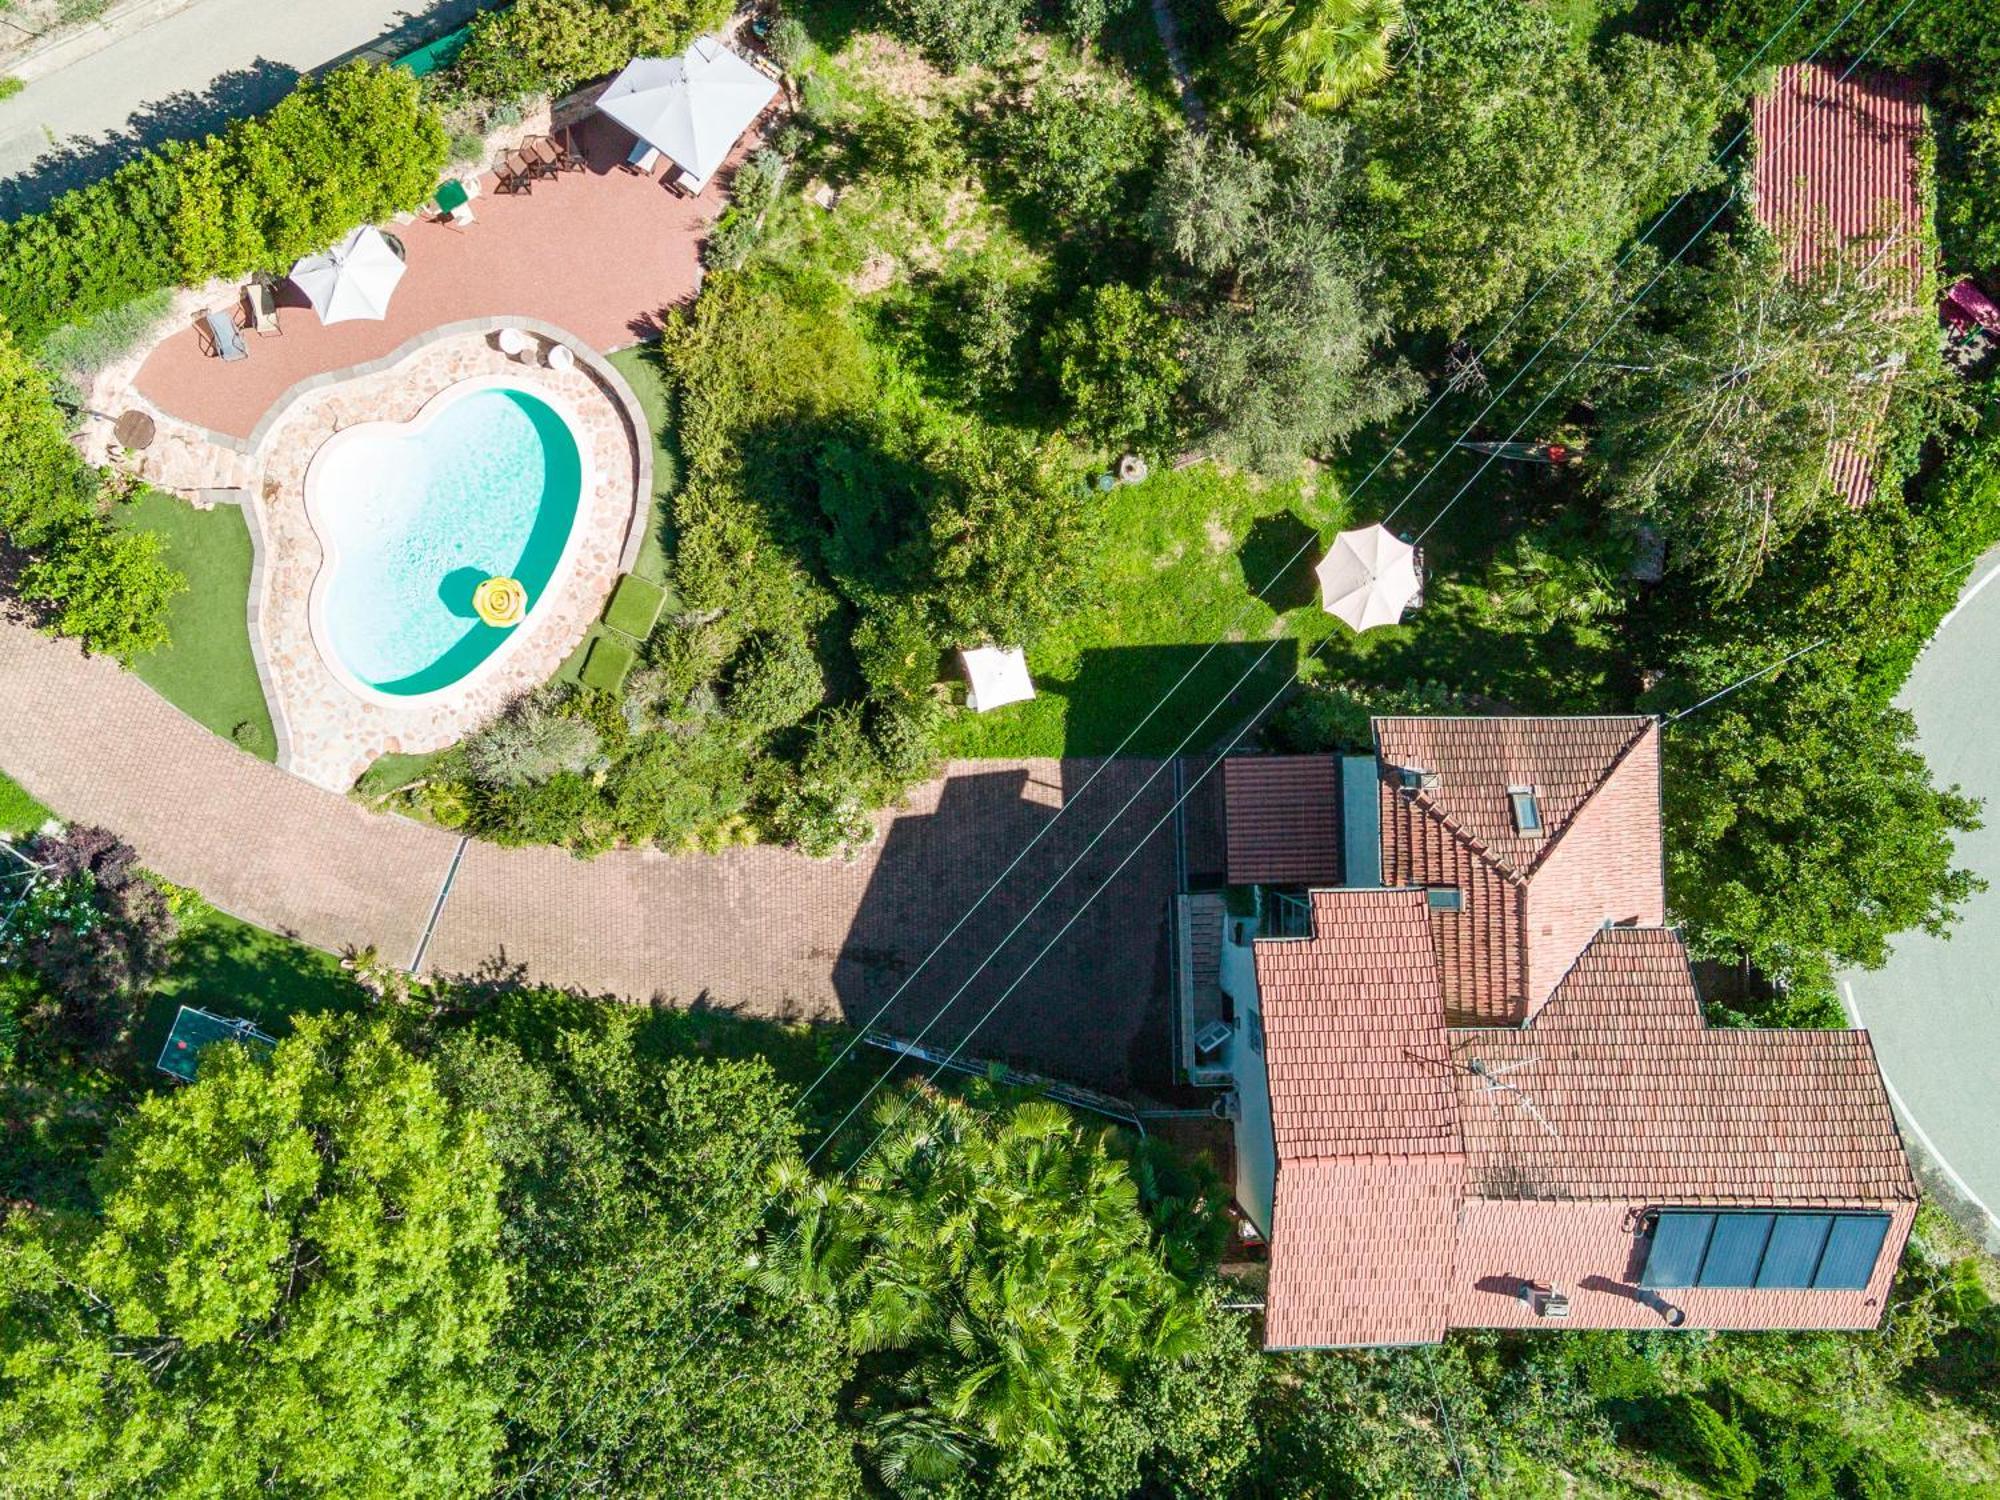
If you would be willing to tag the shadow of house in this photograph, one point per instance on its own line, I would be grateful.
(1081, 998)
(1198, 697)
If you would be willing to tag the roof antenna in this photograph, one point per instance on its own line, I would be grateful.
(1495, 1080)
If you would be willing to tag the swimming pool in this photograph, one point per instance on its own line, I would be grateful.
(413, 516)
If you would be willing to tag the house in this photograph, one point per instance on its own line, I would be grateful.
(1837, 164)
(1468, 1070)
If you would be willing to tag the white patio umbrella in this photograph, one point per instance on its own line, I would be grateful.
(352, 280)
(1367, 578)
(995, 675)
(694, 107)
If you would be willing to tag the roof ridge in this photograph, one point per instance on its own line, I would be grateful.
(1617, 764)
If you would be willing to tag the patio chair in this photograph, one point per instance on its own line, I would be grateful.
(545, 157)
(568, 156)
(642, 159)
(510, 174)
(224, 339)
(260, 306)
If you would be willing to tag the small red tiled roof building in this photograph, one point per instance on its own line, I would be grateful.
(1473, 1086)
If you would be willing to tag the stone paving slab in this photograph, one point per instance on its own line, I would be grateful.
(97, 744)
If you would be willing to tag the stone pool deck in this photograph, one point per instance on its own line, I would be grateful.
(326, 733)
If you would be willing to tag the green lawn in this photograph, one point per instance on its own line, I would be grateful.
(207, 671)
(640, 365)
(1185, 557)
(19, 813)
(231, 968)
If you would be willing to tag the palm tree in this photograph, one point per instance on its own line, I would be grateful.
(1321, 53)
(997, 1266)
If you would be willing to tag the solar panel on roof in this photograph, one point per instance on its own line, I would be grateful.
(1679, 1242)
(1852, 1246)
(1793, 1253)
(1735, 1250)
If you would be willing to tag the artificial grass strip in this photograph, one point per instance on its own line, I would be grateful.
(635, 606)
(206, 670)
(609, 660)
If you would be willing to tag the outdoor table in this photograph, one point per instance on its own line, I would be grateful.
(134, 430)
(560, 357)
(513, 343)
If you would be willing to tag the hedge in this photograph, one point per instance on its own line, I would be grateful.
(352, 147)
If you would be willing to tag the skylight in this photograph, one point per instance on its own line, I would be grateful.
(1527, 810)
(1444, 898)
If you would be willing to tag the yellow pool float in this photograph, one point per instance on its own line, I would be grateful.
(501, 601)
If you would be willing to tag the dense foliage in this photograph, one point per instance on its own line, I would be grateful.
(351, 147)
(291, 1279)
(83, 576)
(551, 46)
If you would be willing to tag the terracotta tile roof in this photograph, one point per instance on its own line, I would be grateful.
(1837, 164)
(1617, 1090)
(1354, 1031)
(1594, 1253)
(1361, 1251)
(1282, 815)
(1596, 783)
(1840, 157)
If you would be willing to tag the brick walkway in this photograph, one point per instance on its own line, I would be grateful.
(756, 930)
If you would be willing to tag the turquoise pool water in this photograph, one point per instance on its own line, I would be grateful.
(416, 516)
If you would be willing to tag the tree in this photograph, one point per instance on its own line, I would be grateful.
(642, 1356)
(1074, 145)
(1117, 363)
(292, 1283)
(1007, 1295)
(1207, 201)
(1563, 159)
(1320, 53)
(1803, 829)
(1719, 420)
(959, 34)
(1284, 357)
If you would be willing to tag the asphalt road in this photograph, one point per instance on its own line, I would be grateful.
(1934, 1010)
(184, 75)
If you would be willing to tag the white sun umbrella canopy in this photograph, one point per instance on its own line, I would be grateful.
(995, 676)
(353, 280)
(1367, 578)
(694, 107)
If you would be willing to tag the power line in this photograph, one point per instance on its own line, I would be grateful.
(1256, 665)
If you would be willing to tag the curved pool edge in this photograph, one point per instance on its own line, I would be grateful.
(433, 407)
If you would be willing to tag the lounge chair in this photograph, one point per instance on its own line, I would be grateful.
(260, 306)
(642, 160)
(225, 339)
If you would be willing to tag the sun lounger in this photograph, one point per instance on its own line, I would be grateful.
(260, 304)
(643, 159)
(224, 337)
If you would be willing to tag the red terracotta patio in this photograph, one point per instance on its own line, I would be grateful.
(601, 252)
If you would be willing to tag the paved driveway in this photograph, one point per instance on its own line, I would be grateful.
(1934, 1009)
(759, 931)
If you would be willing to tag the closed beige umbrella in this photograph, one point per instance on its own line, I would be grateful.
(1367, 578)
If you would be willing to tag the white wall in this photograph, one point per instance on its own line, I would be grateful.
(1256, 1155)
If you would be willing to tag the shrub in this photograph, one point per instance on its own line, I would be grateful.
(79, 350)
(789, 43)
(94, 248)
(1076, 147)
(635, 606)
(550, 46)
(957, 34)
(822, 807)
(530, 743)
(991, 321)
(1116, 359)
(1206, 200)
(1697, 1437)
(94, 930)
(777, 681)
